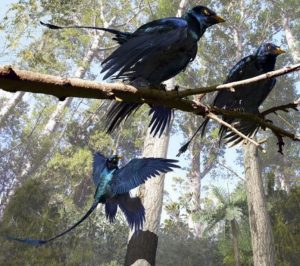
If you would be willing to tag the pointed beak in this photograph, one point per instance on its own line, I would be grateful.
(279, 51)
(218, 19)
(120, 157)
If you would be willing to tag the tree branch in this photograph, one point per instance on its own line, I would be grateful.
(232, 85)
(230, 127)
(259, 120)
(13, 80)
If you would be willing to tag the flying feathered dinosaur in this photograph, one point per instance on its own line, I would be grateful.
(246, 98)
(155, 52)
(112, 189)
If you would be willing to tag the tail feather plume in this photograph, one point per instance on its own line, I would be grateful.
(184, 147)
(120, 37)
(160, 121)
(119, 112)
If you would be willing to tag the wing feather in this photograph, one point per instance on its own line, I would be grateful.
(146, 41)
(137, 171)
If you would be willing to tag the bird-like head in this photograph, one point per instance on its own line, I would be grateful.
(269, 49)
(113, 161)
(205, 16)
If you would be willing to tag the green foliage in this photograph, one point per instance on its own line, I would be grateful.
(285, 218)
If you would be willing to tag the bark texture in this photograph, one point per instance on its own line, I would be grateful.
(12, 80)
(260, 225)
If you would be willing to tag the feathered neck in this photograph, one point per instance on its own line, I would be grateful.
(266, 62)
(196, 28)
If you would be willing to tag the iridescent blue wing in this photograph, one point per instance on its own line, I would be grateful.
(133, 210)
(99, 161)
(137, 171)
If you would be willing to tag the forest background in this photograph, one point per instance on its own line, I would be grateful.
(46, 145)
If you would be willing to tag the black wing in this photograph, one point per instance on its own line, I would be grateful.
(133, 210)
(247, 127)
(242, 70)
(147, 40)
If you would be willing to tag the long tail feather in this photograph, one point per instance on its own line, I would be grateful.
(38, 242)
(184, 147)
(56, 27)
(161, 118)
(119, 112)
(111, 207)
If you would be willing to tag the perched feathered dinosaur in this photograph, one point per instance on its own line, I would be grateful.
(155, 52)
(246, 98)
(112, 189)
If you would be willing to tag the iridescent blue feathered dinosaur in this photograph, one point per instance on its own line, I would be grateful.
(155, 52)
(247, 98)
(112, 189)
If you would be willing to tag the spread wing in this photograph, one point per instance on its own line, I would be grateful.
(98, 164)
(137, 171)
(146, 41)
(133, 210)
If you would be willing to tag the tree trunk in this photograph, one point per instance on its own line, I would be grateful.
(260, 225)
(235, 243)
(141, 249)
(54, 122)
(290, 39)
(195, 185)
(7, 108)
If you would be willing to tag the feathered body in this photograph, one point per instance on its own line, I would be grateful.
(249, 97)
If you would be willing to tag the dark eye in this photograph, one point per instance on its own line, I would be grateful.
(205, 12)
(269, 47)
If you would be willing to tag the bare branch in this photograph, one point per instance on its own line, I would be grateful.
(232, 85)
(13, 80)
(283, 108)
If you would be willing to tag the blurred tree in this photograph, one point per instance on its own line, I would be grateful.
(230, 210)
